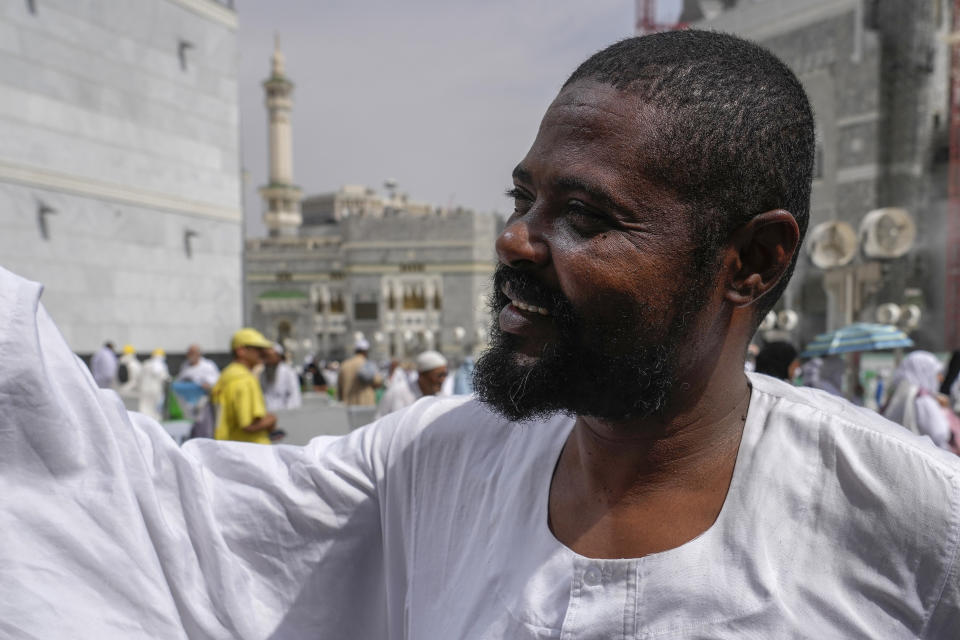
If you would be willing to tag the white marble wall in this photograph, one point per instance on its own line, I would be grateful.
(121, 272)
(99, 121)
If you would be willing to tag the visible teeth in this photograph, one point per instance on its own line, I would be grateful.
(530, 307)
(523, 305)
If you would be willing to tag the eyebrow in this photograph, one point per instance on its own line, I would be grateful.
(569, 183)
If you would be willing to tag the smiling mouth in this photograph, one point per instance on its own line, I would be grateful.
(523, 306)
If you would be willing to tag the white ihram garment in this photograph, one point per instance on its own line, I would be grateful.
(432, 523)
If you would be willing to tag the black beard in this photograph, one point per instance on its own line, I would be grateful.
(611, 374)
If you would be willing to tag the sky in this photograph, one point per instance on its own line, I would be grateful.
(445, 97)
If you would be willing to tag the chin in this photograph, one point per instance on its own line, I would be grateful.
(568, 377)
(520, 359)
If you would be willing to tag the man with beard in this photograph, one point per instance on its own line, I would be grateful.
(620, 477)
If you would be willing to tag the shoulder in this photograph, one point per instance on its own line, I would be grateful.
(846, 425)
(348, 365)
(238, 376)
(465, 428)
(872, 502)
(865, 474)
(860, 460)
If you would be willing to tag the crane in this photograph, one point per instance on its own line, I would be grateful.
(647, 19)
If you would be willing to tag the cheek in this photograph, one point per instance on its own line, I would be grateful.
(611, 281)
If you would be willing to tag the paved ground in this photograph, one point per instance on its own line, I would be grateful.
(319, 416)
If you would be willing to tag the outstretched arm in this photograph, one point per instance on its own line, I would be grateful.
(111, 530)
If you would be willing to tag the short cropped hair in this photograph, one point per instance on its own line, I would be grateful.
(735, 137)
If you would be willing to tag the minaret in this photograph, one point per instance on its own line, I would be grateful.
(281, 195)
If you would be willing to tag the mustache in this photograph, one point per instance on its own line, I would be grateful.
(526, 287)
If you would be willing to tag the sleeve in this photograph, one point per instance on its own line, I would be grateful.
(111, 530)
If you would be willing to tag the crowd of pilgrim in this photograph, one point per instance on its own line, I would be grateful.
(149, 387)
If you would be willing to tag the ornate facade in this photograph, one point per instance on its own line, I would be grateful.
(405, 282)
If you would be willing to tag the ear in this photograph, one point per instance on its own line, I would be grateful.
(760, 253)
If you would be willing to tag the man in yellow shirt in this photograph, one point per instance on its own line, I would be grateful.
(243, 415)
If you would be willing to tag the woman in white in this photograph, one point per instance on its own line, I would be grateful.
(915, 401)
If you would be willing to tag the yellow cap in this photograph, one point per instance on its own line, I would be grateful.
(248, 337)
(128, 349)
(159, 352)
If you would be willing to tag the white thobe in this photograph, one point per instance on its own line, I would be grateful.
(103, 365)
(284, 391)
(399, 395)
(134, 367)
(205, 372)
(432, 524)
(153, 375)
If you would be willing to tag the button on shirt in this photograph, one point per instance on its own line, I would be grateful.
(432, 524)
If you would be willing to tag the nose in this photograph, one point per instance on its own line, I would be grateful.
(521, 244)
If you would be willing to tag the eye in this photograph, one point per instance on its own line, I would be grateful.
(586, 218)
(521, 199)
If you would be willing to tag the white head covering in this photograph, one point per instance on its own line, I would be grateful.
(430, 360)
(278, 348)
(361, 345)
(919, 368)
(913, 403)
(825, 374)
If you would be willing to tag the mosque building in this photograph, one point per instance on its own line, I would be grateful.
(404, 275)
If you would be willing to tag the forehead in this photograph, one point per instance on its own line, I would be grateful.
(596, 133)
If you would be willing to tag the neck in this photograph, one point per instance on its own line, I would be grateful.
(624, 459)
(692, 441)
(629, 488)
